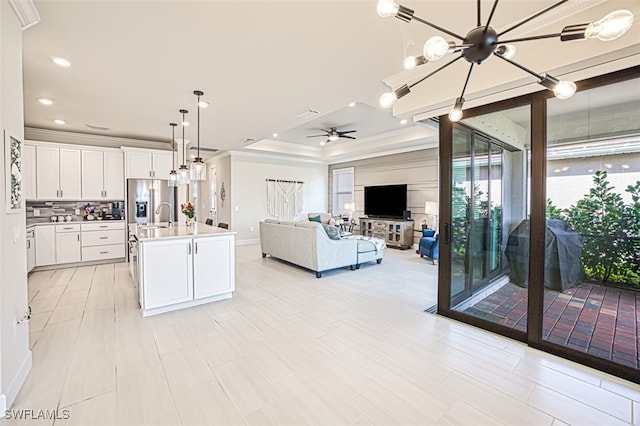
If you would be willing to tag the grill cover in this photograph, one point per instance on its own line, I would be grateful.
(562, 257)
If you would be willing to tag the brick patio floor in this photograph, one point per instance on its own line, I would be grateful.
(600, 320)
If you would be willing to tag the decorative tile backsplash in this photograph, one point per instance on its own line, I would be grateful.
(63, 208)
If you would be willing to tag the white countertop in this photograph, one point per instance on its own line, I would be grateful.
(73, 222)
(180, 231)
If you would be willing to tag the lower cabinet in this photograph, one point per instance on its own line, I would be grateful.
(45, 237)
(68, 247)
(168, 273)
(103, 241)
(185, 272)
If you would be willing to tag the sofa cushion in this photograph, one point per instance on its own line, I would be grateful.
(315, 219)
(332, 232)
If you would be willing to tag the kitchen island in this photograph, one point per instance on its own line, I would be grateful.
(179, 267)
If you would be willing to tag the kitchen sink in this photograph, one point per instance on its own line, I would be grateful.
(153, 226)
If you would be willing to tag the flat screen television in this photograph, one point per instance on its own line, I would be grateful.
(388, 201)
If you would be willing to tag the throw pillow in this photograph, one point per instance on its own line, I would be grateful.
(428, 232)
(315, 219)
(332, 232)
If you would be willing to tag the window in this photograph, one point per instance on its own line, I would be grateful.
(342, 200)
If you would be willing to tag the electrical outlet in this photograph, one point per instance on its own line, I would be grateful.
(36, 212)
(77, 211)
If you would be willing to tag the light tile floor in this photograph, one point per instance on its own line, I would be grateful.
(352, 348)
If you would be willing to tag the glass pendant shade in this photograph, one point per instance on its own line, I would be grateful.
(198, 169)
(173, 179)
(183, 175)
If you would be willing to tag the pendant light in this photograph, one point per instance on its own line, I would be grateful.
(198, 168)
(173, 175)
(183, 171)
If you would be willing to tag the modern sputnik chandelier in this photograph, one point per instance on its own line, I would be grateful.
(483, 41)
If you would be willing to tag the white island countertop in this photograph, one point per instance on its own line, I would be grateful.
(178, 231)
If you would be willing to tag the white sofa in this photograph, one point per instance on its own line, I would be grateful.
(306, 244)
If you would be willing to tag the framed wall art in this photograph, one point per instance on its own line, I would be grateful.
(13, 173)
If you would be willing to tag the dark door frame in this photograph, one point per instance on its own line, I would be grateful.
(533, 336)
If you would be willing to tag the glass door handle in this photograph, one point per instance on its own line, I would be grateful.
(447, 233)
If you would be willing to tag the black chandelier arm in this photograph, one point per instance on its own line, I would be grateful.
(493, 9)
(437, 27)
(464, 88)
(436, 71)
(479, 13)
(538, 37)
(522, 67)
(532, 17)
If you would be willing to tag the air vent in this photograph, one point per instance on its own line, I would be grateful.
(308, 113)
(248, 140)
(95, 127)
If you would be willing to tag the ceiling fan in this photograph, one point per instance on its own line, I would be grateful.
(333, 134)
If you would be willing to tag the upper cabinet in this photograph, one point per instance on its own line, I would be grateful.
(29, 172)
(58, 174)
(102, 175)
(148, 164)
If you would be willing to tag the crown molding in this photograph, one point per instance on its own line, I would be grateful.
(26, 12)
(46, 135)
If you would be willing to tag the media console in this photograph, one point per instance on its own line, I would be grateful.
(395, 232)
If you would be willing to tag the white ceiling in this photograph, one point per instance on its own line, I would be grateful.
(260, 64)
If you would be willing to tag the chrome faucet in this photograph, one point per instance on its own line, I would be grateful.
(164, 203)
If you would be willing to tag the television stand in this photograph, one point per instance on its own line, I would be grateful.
(395, 232)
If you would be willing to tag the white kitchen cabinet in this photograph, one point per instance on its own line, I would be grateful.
(102, 175)
(45, 240)
(58, 175)
(168, 273)
(31, 249)
(213, 266)
(114, 175)
(148, 164)
(29, 171)
(68, 247)
(102, 240)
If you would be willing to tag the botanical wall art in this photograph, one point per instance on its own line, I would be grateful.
(13, 174)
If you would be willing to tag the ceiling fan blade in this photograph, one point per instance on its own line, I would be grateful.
(316, 136)
(347, 137)
(347, 131)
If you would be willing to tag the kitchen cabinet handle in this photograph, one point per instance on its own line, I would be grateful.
(104, 252)
(67, 227)
(104, 238)
(196, 248)
(28, 244)
(61, 193)
(189, 249)
(78, 237)
(103, 226)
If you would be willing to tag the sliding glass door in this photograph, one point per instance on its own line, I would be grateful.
(540, 222)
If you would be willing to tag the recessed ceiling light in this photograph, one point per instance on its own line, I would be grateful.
(352, 104)
(61, 62)
(625, 166)
(403, 121)
(275, 135)
(96, 127)
(323, 143)
(45, 101)
(203, 104)
(60, 122)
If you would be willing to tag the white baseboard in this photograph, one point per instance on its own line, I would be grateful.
(247, 242)
(15, 386)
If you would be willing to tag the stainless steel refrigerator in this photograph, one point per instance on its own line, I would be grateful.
(144, 196)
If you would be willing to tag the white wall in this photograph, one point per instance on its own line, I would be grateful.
(248, 190)
(15, 356)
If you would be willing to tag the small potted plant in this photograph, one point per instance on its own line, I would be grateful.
(189, 210)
